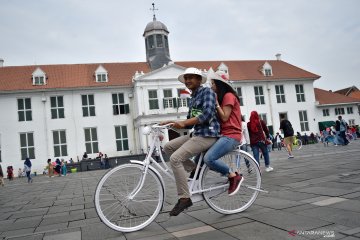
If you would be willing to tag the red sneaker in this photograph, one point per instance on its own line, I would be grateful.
(235, 183)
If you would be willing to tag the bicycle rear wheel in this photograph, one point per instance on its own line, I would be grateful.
(218, 199)
(116, 204)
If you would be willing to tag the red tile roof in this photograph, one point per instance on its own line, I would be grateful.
(120, 74)
(355, 94)
(327, 97)
(347, 91)
(250, 70)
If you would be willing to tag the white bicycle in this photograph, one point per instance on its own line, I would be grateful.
(130, 196)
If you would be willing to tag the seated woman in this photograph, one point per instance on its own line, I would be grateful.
(57, 167)
(229, 114)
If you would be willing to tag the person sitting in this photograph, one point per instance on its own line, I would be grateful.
(202, 116)
(57, 167)
(229, 114)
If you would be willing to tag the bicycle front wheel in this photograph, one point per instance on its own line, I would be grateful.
(216, 194)
(122, 204)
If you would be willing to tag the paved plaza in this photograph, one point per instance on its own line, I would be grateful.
(316, 194)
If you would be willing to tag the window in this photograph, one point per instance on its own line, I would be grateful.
(300, 95)
(339, 111)
(168, 100)
(151, 41)
(39, 80)
(159, 41)
(39, 77)
(101, 74)
(266, 69)
(60, 147)
(57, 107)
(326, 112)
(27, 146)
(304, 124)
(182, 102)
(24, 109)
(153, 100)
(88, 105)
(259, 95)
(280, 95)
(262, 116)
(268, 72)
(101, 77)
(239, 93)
(166, 42)
(119, 106)
(91, 140)
(349, 110)
(122, 141)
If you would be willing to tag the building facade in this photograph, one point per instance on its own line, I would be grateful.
(62, 111)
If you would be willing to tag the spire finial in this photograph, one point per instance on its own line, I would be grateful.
(153, 9)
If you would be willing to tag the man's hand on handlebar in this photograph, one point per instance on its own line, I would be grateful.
(166, 122)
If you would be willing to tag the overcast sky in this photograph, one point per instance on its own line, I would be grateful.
(320, 36)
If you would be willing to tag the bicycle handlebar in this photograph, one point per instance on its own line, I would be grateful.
(162, 126)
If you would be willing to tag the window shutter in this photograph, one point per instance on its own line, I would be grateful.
(175, 102)
(164, 103)
(188, 102)
(127, 109)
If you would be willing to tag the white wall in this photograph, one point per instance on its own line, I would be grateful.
(333, 117)
(74, 123)
(272, 109)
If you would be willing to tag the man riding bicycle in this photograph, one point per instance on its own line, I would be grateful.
(202, 116)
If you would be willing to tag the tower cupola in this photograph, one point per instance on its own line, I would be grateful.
(156, 43)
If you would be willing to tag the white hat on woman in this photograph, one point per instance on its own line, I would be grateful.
(222, 78)
(192, 70)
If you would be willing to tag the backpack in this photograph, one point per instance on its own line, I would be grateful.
(288, 130)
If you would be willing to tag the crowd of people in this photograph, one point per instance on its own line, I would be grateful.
(340, 133)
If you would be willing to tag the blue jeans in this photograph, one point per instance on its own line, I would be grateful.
(221, 147)
(255, 149)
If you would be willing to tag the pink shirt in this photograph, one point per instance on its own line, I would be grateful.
(232, 127)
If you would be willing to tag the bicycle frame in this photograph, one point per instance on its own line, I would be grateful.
(195, 187)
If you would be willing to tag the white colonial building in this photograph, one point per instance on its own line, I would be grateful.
(62, 111)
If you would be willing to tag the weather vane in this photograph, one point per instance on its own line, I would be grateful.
(154, 9)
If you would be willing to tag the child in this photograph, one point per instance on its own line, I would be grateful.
(50, 168)
(10, 172)
(20, 173)
(63, 167)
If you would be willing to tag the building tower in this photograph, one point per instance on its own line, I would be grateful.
(156, 43)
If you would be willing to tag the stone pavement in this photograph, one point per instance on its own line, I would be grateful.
(316, 194)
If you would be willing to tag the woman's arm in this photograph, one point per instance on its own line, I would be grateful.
(224, 112)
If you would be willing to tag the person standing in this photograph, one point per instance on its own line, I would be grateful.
(278, 139)
(27, 169)
(229, 114)
(288, 131)
(107, 162)
(50, 168)
(202, 117)
(63, 167)
(1, 176)
(342, 126)
(245, 139)
(258, 133)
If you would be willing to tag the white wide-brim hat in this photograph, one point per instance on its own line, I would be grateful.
(217, 77)
(195, 71)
